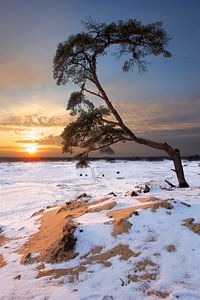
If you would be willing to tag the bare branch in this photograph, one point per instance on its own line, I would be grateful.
(92, 93)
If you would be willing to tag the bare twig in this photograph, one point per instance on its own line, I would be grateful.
(170, 184)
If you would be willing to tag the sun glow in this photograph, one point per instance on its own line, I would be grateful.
(31, 148)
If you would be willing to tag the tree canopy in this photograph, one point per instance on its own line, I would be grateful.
(76, 57)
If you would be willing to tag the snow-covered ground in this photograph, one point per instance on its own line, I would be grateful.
(28, 187)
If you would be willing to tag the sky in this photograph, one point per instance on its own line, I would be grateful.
(162, 104)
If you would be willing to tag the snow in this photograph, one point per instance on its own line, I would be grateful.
(28, 187)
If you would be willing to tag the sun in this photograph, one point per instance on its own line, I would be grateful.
(31, 149)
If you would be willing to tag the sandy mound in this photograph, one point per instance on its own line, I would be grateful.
(50, 243)
(55, 241)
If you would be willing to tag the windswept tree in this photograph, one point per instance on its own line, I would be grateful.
(98, 127)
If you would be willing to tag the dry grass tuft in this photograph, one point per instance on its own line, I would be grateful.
(145, 270)
(170, 248)
(159, 294)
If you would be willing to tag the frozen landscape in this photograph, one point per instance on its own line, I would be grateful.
(126, 246)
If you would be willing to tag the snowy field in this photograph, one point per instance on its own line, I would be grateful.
(28, 187)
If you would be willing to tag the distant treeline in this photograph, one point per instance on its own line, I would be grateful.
(133, 158)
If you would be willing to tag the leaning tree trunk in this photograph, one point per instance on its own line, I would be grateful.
(173, 153)
(176, 157)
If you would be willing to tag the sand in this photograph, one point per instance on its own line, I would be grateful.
(55, 241)
(3, 240)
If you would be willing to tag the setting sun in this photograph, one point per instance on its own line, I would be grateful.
(31, 149)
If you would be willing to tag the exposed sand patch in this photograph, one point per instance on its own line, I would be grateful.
(73, 273)
(55, 240)
(3, 240)
(123, 251)
(81, 204)
(159, 294)
(147, 199)
(106, 206)
(120, 216)
(2, 261)
(126, 213)
(50, 241)
(164, 204)
(189, 223)
(147, 269)
(96, 250)
(121, 226)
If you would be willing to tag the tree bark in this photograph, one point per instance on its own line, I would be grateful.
(173, 153)
(179, 168)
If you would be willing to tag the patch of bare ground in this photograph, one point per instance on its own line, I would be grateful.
(101, 207)
(170, 248)
(3, 240)
(163, 204)
(126, 213)
(123, 251)
(92, 257)
(145, 270)
(55, 241)
(120, 216)
(73, 273)
(147, 199)
(121, 226)
(2, 261)
(189, 223)
(159, 294)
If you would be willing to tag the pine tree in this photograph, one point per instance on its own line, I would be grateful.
(100, 127)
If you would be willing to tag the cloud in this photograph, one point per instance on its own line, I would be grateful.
(50, 140)
(33, 120)
(150, 116)
(176, 122)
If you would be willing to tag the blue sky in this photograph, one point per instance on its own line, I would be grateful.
(166, 98)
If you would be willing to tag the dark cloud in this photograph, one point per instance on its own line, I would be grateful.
(50, 140)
